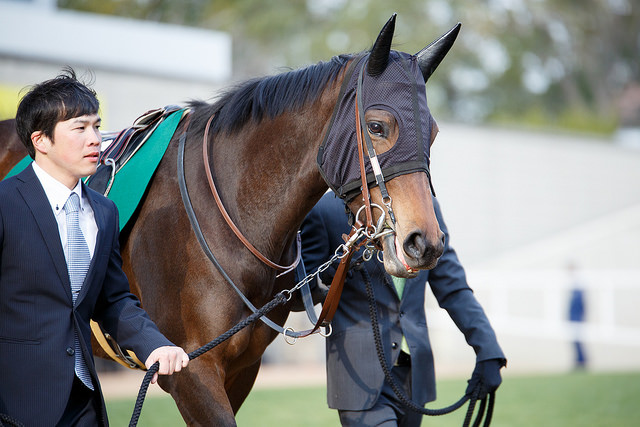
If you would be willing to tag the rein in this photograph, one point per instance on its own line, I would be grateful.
(227, 218)
(370, 231)
(195, 225)
(344, 253)
(279, 299)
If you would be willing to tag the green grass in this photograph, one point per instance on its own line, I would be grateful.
(577, 399)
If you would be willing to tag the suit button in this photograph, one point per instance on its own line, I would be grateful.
(70, 351)
(394, 345)
(401, 313)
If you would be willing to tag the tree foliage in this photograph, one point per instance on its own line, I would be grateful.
(546, 60)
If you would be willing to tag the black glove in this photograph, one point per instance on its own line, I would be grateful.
(487, 374)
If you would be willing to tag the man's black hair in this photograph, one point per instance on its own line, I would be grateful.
(56, 100)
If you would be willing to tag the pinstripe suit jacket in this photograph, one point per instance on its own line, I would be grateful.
(37, 317)
(354, 375)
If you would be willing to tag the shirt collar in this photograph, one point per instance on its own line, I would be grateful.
(56, 192)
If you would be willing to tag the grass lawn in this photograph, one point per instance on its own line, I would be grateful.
(576, 399)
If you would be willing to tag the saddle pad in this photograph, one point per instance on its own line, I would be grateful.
(22, 165)
(131, 181)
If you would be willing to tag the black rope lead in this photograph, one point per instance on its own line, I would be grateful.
(279, 299)
(6, 420)
(373, 313)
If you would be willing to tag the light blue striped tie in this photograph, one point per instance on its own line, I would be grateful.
(78, 260)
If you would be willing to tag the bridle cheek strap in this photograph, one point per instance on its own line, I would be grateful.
(366, 198)
(363, 134)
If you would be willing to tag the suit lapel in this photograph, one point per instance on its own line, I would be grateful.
(388, 282)
(35, 197)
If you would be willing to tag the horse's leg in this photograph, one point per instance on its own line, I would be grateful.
(200, 395)
(239, 386)
(198, 390)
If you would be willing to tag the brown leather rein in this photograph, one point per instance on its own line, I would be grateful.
(227, 218)
(332, 299)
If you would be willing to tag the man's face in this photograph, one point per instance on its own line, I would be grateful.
(73, 153)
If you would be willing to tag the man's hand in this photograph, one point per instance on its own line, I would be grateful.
(172, 359)
(487, 374)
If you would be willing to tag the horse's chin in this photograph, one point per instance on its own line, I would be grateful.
(393, 264)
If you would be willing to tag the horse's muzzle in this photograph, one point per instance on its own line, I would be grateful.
(414, 254)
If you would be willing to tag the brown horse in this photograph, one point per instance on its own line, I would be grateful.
(275, 145)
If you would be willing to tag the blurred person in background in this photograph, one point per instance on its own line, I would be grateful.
(356, 386)
(577, 306)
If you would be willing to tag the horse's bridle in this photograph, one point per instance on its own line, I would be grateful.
(367, 229)
(363, 134)
(362, 232)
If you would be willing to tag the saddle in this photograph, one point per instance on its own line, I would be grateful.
(123, 145)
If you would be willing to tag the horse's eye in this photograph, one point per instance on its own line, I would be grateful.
(375, 128)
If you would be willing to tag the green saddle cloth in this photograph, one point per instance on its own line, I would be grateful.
(132, 179)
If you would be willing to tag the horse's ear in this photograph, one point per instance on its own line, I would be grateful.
(379, 56)
(430, 57)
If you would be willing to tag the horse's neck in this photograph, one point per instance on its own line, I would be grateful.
(272, 177)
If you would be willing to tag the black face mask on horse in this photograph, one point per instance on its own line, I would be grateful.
(399, 80)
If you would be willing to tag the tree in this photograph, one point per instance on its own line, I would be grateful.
(543, 61)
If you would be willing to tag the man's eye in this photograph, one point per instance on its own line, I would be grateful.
(375, 128)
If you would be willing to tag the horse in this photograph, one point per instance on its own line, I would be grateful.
(274, 145)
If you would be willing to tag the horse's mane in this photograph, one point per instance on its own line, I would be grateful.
(270, 96)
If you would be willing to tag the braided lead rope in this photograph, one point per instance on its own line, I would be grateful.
(9, 421)
(279, 299)
(396, 389)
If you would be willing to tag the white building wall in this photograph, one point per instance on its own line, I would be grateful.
(136, 65)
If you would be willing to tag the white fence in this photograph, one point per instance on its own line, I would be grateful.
(529, 312)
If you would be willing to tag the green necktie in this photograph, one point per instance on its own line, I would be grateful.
(399, 283)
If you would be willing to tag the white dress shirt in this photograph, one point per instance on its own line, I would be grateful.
(58, 193)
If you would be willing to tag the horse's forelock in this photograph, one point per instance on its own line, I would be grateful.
(268, 97)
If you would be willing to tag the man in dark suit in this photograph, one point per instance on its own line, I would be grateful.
(355, 380)
(60, 266)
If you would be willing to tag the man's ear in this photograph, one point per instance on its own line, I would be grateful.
(40, 141)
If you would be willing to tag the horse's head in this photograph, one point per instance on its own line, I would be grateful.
(384, 99)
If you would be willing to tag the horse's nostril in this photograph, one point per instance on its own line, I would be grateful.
(415, 245)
